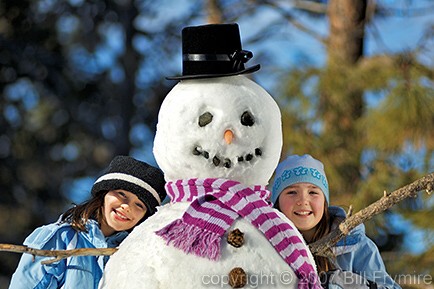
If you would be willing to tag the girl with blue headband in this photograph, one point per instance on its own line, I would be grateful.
(301, 192)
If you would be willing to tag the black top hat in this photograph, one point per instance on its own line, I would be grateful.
(213, 50)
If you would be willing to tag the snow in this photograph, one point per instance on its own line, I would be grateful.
(226, 98)
(143, 259)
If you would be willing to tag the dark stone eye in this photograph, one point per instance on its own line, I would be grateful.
(216, 161)
(205, 119)
(247, 119)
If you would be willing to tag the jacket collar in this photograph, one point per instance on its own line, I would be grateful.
(349, 242)
(96, 237)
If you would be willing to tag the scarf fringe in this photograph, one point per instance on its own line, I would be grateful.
(192, 239)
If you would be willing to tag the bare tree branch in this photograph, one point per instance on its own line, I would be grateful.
(405, 12)
(58, 254)
(313, 7)
(291, 19)
(323, 247)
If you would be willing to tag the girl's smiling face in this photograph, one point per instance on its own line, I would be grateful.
(122, 211)
(303, 204)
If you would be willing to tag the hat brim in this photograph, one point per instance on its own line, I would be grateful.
(197, 76)
(115, 184)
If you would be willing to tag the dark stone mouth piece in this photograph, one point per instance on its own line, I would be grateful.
(224, 161)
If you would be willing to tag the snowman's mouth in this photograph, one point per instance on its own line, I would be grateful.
(224, 161)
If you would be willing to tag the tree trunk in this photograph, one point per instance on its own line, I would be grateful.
(342, 107)
(214, 10)
(347, 30)
(126, 89)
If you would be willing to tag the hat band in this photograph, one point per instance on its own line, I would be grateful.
(130, 179)
(206, 57)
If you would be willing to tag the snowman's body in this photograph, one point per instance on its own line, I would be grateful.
(193, 141)
(145, 261)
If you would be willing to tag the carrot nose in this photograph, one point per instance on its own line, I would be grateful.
(229, 135)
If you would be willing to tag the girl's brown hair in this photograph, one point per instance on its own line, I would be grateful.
(79, 215)
(322, 229)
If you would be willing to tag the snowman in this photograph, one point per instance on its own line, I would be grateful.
(218, 142)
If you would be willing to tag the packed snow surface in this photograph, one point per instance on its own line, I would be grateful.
(227, 127)
(231, 101)
(144, 260)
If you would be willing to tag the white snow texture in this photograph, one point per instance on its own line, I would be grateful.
(143, 259)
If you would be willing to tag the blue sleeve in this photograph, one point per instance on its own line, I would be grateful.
(30, 273)
(366, 261)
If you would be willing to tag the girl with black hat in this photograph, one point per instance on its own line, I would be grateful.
(126, 194)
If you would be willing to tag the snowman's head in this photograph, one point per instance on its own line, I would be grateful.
(224, 127)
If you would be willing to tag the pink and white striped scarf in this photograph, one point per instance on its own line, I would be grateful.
(216, 204)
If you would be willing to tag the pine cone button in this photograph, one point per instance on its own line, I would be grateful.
(237, 278)
(236, 238)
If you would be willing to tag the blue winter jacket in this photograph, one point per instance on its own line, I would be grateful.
(359, 254)
(74, 272)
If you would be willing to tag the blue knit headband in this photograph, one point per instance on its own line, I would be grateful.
(299, 169)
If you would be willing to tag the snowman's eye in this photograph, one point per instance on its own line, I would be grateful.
(205, 119)
(247, 119)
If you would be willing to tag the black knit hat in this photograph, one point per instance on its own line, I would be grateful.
(137, 177)
(213, 50)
